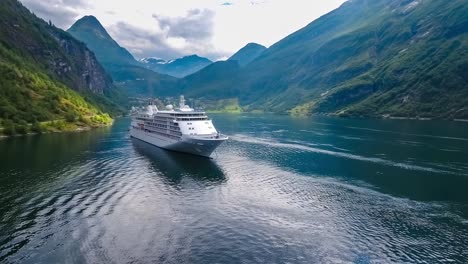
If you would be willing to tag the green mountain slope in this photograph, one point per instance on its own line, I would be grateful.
(139, 81)
(89, 30)
(248, 53)
(206, 83)
(367, 58)
(124, 69)
(38, 64)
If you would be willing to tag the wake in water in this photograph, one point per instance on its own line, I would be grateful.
(272, 143)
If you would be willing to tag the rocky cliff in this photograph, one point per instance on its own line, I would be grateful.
(51, 48)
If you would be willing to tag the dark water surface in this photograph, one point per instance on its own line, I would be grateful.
(281, 190)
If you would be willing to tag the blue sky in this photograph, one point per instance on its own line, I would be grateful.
(170, 29)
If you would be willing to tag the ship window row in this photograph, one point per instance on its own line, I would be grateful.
(173, 135)
(164, 129)
(156, 125)
(160, 119)
(165, 135)
(191, 114)
(165, 125)
(192, 119)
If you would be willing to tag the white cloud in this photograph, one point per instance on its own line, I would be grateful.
(168, 29)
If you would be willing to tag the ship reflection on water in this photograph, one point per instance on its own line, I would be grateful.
(175, 166)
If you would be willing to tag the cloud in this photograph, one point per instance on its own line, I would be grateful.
(171, 37)
(166, 44)
(168, 38)
(253, 3)
(61, 12)
(142, 42)
(197, 25)
(172, 28)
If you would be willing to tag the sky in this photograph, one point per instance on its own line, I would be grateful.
(171, 29)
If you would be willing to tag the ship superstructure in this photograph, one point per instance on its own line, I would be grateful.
(181, 129)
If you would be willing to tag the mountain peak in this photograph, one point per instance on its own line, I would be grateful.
(89, 18)
(89, 30)
(248, 53)
(89, 23)
(193, 56)
(253, 44)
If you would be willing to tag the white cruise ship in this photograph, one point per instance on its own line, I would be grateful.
(182, 129)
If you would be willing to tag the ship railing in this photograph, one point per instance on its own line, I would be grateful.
(211, 136)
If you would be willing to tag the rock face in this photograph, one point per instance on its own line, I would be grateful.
(53, 49)
(90, 74)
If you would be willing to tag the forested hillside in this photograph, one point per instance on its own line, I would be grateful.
(50, 81)
(405, 58)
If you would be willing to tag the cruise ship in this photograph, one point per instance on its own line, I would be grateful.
(180, 129)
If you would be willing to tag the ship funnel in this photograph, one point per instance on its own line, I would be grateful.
(149, 110)
(182, 106)
(182, 102)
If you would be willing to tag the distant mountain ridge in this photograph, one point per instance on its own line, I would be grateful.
(378, 58)
(403, 58)
(121, 65)
(179, 68)
(248, 53)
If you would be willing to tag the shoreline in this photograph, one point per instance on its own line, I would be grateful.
(76, 130)
(384, 117)
(424, 119)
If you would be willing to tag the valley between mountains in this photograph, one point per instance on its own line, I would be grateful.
(379, 58)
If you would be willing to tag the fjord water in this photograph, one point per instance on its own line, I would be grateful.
(281, 190)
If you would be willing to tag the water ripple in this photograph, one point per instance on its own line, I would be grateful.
(248, 139)
(120, 201)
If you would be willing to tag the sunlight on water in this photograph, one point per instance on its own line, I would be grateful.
(281, 190)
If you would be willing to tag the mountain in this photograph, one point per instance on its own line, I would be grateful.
(118, 62)
(248, 53)
(206, 82)
(89, 30)
(141, 82)
(179, 67)
(47, 75)
(206, 87)
(153, 60)
(404, 58)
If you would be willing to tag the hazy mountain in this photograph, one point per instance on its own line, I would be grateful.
(248, 53)
(207, 82)
(39, 63)
(366, 58)
(153, 60)
(179, 67)
(124, 69)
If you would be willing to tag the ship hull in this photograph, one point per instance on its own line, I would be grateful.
(195, 146)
